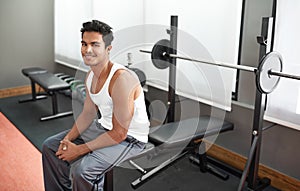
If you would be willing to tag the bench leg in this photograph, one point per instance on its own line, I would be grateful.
(34, 96)
(204, 166)
(201, 159)
(108, 181)
(56, 114)
(64, 114)
(54, 103)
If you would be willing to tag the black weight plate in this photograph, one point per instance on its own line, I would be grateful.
(159, 59)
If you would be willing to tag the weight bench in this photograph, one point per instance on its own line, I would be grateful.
(51, 84)
(181, 137)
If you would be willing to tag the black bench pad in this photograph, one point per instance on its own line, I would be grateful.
(33, 70)
(187, 130)
(49, 81)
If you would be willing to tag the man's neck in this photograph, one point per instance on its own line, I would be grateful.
(100, 68)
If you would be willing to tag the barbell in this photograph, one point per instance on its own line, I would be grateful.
(268, 72)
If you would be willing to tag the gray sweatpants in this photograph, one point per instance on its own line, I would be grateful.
(87, 172)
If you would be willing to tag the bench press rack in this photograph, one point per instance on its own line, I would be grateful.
(268, 74)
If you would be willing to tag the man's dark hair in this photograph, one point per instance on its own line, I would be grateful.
(100, 27)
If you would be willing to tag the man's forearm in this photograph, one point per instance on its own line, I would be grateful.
(73, 133)
(81, 124)
(104, 140)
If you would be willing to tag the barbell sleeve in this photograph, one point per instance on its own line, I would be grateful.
(281, 74)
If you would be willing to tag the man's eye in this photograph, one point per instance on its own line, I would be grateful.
(83, 44)
(96, 45)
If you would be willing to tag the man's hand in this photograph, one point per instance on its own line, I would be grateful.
(67, 151)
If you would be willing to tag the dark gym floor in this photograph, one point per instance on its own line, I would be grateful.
(181, 175)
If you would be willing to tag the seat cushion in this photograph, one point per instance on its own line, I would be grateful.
(49, 81)
(187, 130)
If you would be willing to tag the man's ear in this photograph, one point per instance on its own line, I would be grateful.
(109, 48)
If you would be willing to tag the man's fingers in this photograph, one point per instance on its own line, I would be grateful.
(58, 153)
(64, 147)
(64, 144)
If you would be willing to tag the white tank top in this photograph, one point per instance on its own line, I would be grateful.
(139, 126)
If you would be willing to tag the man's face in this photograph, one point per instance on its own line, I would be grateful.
(93, 49)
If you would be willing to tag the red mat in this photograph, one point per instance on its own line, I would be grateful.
(20, 161)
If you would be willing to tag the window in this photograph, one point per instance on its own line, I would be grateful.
(284, 102)
(210, 30)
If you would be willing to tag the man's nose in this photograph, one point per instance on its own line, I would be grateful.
(88, 48)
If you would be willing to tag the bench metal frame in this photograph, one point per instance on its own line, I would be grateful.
(160, 135)
(34, 95)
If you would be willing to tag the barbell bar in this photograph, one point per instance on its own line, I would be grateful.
(239, 67)
(268, 72)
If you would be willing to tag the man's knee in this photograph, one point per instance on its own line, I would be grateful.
(83, 178)
(49, 145)
(53, 142)
(45, 145)
(85, 174)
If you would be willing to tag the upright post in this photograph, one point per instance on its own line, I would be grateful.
(172, 69)
(260, 101)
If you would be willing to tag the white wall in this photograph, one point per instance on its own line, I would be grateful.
(26, 39)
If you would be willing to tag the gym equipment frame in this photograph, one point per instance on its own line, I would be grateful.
(268, 74)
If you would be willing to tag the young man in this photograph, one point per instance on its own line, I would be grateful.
(78, 159)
